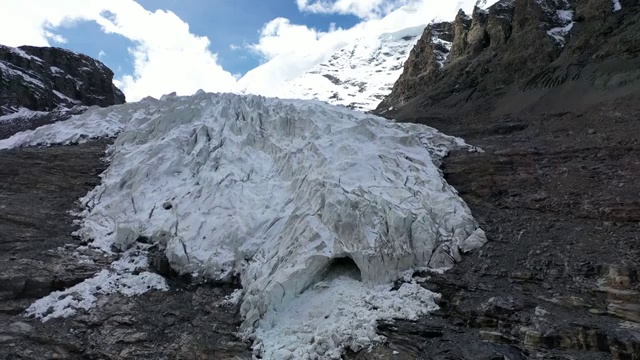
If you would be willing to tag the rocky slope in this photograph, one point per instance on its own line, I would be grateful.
(41, 84)
(359, 75)
(558, 279)
(556, 112)
(519, 56)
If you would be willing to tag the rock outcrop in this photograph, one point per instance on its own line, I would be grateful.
(428, 56)
(518, 55)
(44, 78)
(550, 90)
(42, 85)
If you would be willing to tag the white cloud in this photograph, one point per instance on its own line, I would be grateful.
(166, 55)
(291, 49)
(101, 54)
(365, 9)
(277, 36)
(55, 37)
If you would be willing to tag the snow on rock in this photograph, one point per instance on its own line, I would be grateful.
(561, 18)
(7, 69)
(565, 17)
(119, 278)
(96, 122)
(290, 195)
(232, 299)
(359, 75)
(48, 79)
(442, 48)
(65, 97)
(22, 113)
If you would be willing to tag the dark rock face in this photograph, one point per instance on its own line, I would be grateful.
(559, 277)
(517, 56)
(558, 116)
(427, 57)
(43, 79)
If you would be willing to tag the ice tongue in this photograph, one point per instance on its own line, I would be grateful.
(285, 194)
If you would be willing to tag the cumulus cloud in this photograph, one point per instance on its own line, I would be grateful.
(166, 55)
(289, 50)
(277, 36)
(55, 37)
(365, 9)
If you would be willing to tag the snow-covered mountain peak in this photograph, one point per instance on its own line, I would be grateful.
(359, 75)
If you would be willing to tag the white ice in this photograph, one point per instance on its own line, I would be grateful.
(119, 278)
(274, 191)
(335, 315)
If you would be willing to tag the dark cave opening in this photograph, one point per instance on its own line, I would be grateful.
(340, 266)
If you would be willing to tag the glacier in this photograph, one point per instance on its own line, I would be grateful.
(300, 200)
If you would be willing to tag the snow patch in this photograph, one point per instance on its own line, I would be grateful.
(442, 49)
(560, 14)
(22, 113)
(84, 296)
(565, 18)
(65, 97)
(279, 193)
(21, 53)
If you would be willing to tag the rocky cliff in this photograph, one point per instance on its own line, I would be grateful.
(43, 78)
(518, 55)
(41, 84)
(550, 91)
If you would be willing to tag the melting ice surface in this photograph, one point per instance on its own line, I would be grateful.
(315, 207)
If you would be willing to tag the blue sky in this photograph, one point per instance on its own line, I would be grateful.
(160, 46)
(230, 23)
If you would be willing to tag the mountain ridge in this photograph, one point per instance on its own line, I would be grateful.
(39, 85)
(511, 57)
(550, 91)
